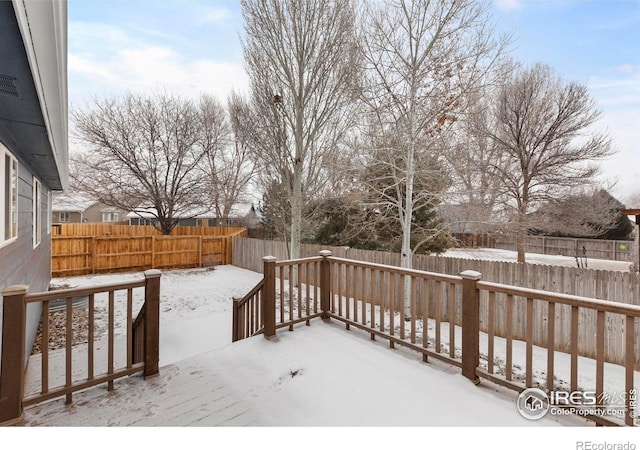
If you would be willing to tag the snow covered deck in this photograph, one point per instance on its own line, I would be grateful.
(319, 375)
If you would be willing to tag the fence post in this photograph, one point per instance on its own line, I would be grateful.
(325, 284)
(470, 324)
(228, 250)
(269, 299)
(152, 322)
(13, 355)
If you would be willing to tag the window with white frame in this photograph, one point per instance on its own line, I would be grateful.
(64, 216)
(109, 216)
(8, 196)
(37, 212)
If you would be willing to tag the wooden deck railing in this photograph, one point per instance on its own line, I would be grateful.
(289, 289)
(440, 316)
(247, 314)
(531, 302)
(61, 377)
(395, 304)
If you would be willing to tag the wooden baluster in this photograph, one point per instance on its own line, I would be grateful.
(551, 328)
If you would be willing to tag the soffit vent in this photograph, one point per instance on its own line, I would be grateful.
(9, 86)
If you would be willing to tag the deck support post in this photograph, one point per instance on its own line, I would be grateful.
(269, 299)
(13, 354)
(325, 283)
(470, 324)
(152, 323)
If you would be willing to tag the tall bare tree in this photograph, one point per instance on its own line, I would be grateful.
(259, 129)
(301, 61)
(472, 158)
(422, 58)
(144, 154)
(543, 127)
(227, 165)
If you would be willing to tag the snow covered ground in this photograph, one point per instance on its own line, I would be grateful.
(495, 254)
(316, 376)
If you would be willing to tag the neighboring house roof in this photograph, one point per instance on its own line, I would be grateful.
(151, 213)
(239, 210)
(71, 202)
(244, 209)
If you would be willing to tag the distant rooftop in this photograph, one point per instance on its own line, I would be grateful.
(71, 202)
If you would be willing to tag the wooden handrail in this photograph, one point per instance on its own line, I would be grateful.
(399, 270)
(565, 299)
(251, 293)
(242, 327)
(80, 292)
(293, 262)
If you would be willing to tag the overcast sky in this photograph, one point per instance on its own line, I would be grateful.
(193, 46)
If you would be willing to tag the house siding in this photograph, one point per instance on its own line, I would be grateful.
(34, 128)
(93, 214)
(20, 262)
(74, 217)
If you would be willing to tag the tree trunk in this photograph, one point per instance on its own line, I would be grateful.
(296, 220)
(636, 245)
(406, 260)
(296, 213)
(520, 245)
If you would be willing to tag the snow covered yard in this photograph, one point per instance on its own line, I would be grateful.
(195, 306)
(320, 375)
(495, 254)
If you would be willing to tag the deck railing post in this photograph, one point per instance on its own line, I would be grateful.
(13, 354)
(235, 331)
(269, 298)
(470, 324)
(152, 322)
(325, 284)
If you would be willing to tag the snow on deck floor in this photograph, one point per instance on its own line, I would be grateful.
(320, 375)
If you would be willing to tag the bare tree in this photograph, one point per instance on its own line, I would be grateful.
(472, 158)
(144, 154)
(227, 164)
(422, 59)
(301, 59)
(259, 129)
(543, 129)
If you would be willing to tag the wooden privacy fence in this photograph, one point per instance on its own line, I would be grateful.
(102, 362)
(106, 229)
(112, 248)
(615, 250)
(419, 310)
